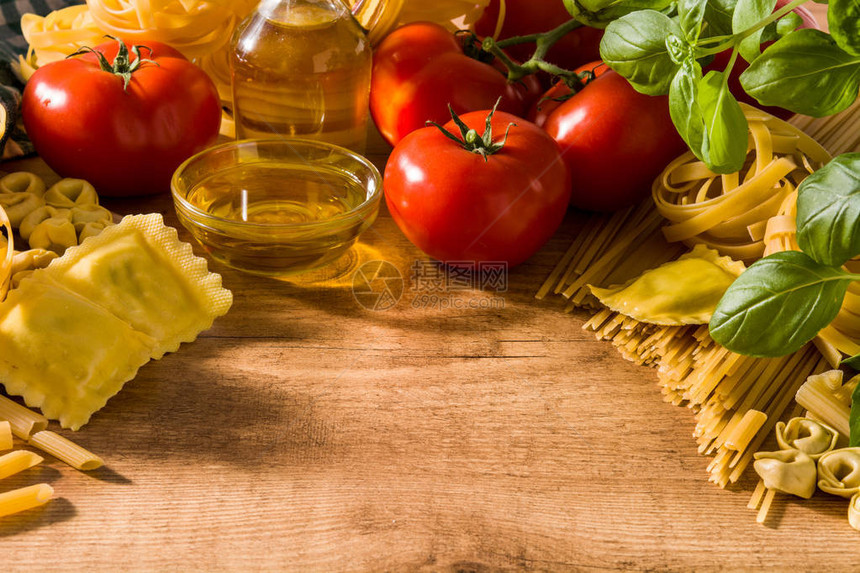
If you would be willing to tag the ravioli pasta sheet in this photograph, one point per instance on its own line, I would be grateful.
(75, 332)
(143, 274)
(63, 353)
(683, 291)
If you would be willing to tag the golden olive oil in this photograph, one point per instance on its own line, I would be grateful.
(301, 68)
(294, 211)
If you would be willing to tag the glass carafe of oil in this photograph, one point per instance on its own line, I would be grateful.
(301, 68)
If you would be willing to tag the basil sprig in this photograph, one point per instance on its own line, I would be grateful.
(661, 50)
(782, 301)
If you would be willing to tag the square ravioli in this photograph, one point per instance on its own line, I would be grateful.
(141, 272)
(64, 354)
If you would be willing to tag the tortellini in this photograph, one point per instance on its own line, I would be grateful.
(684, 291)
(21, 193)
(839, 472)
(809, 436)
(68, 193)
(854, 511)
(53, 219)
(787, 471)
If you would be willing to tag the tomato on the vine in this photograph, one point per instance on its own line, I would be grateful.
(615, 141)
(123, 127)
(525, 17)
(421, 68)
(494, 197)
(561, 92)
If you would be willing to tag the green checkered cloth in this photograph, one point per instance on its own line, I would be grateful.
(13, 141)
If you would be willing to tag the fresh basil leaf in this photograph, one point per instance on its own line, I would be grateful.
(778, 304)
(747, 14)
(843, 19)
(805, 72)
(854, 418)
(718, 16)
(784, 26)
(852, 362)
(769, 33)
(679, 50)
(635, 47)
(684, 107)
(692, 13)
(725, 147)
(828, 211)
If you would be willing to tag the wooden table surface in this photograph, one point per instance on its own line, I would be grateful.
(486, 432)
(306, 432)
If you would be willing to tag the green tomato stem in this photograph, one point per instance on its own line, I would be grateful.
(470, 139)
(543, 42)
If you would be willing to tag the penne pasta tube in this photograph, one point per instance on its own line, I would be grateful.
(66, 450)
(5, 435)
(24, 421)
(18, 461)
(24, 498)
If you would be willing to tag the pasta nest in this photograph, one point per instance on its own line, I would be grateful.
(732, 212)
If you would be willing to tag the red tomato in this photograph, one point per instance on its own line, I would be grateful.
(615, 142)
(556, 95)
(524, 17)
(84, 124)
(455, 206)
(420, 68)
(721, 60)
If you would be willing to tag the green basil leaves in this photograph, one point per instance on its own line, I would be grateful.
(635, 47)
(779, 304)
(843, 19)
(828, 211)
(806, 72)
(746, 15)
(782, 301)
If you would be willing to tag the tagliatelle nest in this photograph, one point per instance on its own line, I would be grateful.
(730, 212)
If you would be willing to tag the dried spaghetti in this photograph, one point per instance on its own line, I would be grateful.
(737, 399)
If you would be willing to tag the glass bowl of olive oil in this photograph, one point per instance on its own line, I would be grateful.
(277, 207)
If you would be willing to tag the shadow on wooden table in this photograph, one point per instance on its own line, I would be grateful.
(55, 511)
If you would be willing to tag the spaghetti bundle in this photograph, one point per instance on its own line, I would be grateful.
(737, 399)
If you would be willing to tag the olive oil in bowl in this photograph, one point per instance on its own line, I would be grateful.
(276, 207)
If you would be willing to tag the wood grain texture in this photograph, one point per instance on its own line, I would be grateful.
(304, 432)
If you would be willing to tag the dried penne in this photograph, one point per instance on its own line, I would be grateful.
(66, 451)
(24, 498)
(18, 461)
(5, 435)
(24, 421)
